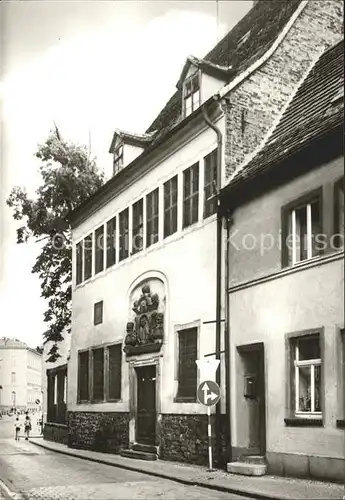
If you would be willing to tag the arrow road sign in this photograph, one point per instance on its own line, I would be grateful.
(208, 393)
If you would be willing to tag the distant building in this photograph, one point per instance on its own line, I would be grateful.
(20, 376)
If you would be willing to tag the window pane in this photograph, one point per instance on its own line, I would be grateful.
(98, 313)
(88, 257)
(316, 226)
(124, 240)
(301, 234)
(317, 384)
(137, 227)
(210, 183)
(152, 217)
(170, 207)
(190, 195)
(98, 374)
(99, 249)
(111, 242)
(304, 388)
(187, 376)
(79, 263)
(309, 348)
(83, 379)
(115, 360)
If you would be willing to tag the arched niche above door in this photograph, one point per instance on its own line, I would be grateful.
(145, 326)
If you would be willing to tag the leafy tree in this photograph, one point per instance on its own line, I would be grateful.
(68, 177)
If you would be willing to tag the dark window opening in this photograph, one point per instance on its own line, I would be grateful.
(98, 374)
(210, 184)
(191, 195)
(111, 242)
(83, 379)
(98, 313)
(79, 262)
(170, 207)
(187, 368)
(152, 217)
(115, 367)
(123, 239)
(137, 227)
(88, 257)
(99, 249)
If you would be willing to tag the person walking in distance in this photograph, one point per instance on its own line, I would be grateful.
(27, 426)
(17, 428)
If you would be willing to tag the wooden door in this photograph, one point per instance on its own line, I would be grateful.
(254, 395)
(146, 405)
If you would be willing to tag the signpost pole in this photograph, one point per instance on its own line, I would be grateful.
(209, 432)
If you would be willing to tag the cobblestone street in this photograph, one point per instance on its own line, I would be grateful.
(37, 473)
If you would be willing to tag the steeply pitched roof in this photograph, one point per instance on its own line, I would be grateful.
(317, 107)
(252, 36)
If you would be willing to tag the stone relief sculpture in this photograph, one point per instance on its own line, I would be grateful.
(148, 324)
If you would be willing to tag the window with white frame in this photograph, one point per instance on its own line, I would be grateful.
(137, 226)
(339, 212)
(210, 183)
(79, 262)
(191, 94)
(302, 224)
(170, 206)
(88, 242)
(307, 375)
(152, 217)
(118, 159)
(124, 236)
(99, 249)
(190, 195)
(111, 242)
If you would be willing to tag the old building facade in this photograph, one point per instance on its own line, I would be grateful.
(148, 276)
(286, 286)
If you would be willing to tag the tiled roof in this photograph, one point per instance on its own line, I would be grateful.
(317, 108)
(252, 36)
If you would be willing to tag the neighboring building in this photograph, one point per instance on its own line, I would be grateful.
(54, 389)
(20, 376)
(148, 303)
(286, 286)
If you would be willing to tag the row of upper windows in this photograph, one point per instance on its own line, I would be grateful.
(102, 244)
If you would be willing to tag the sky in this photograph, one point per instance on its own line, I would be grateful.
(90, 67)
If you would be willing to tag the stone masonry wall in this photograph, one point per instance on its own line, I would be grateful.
(55, 432)
(99, 431)
(260, 99)
(184, 438)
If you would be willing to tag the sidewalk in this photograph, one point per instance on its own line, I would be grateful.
(265, 487)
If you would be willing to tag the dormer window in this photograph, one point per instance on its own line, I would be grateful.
(191, 94)
(118, 159)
